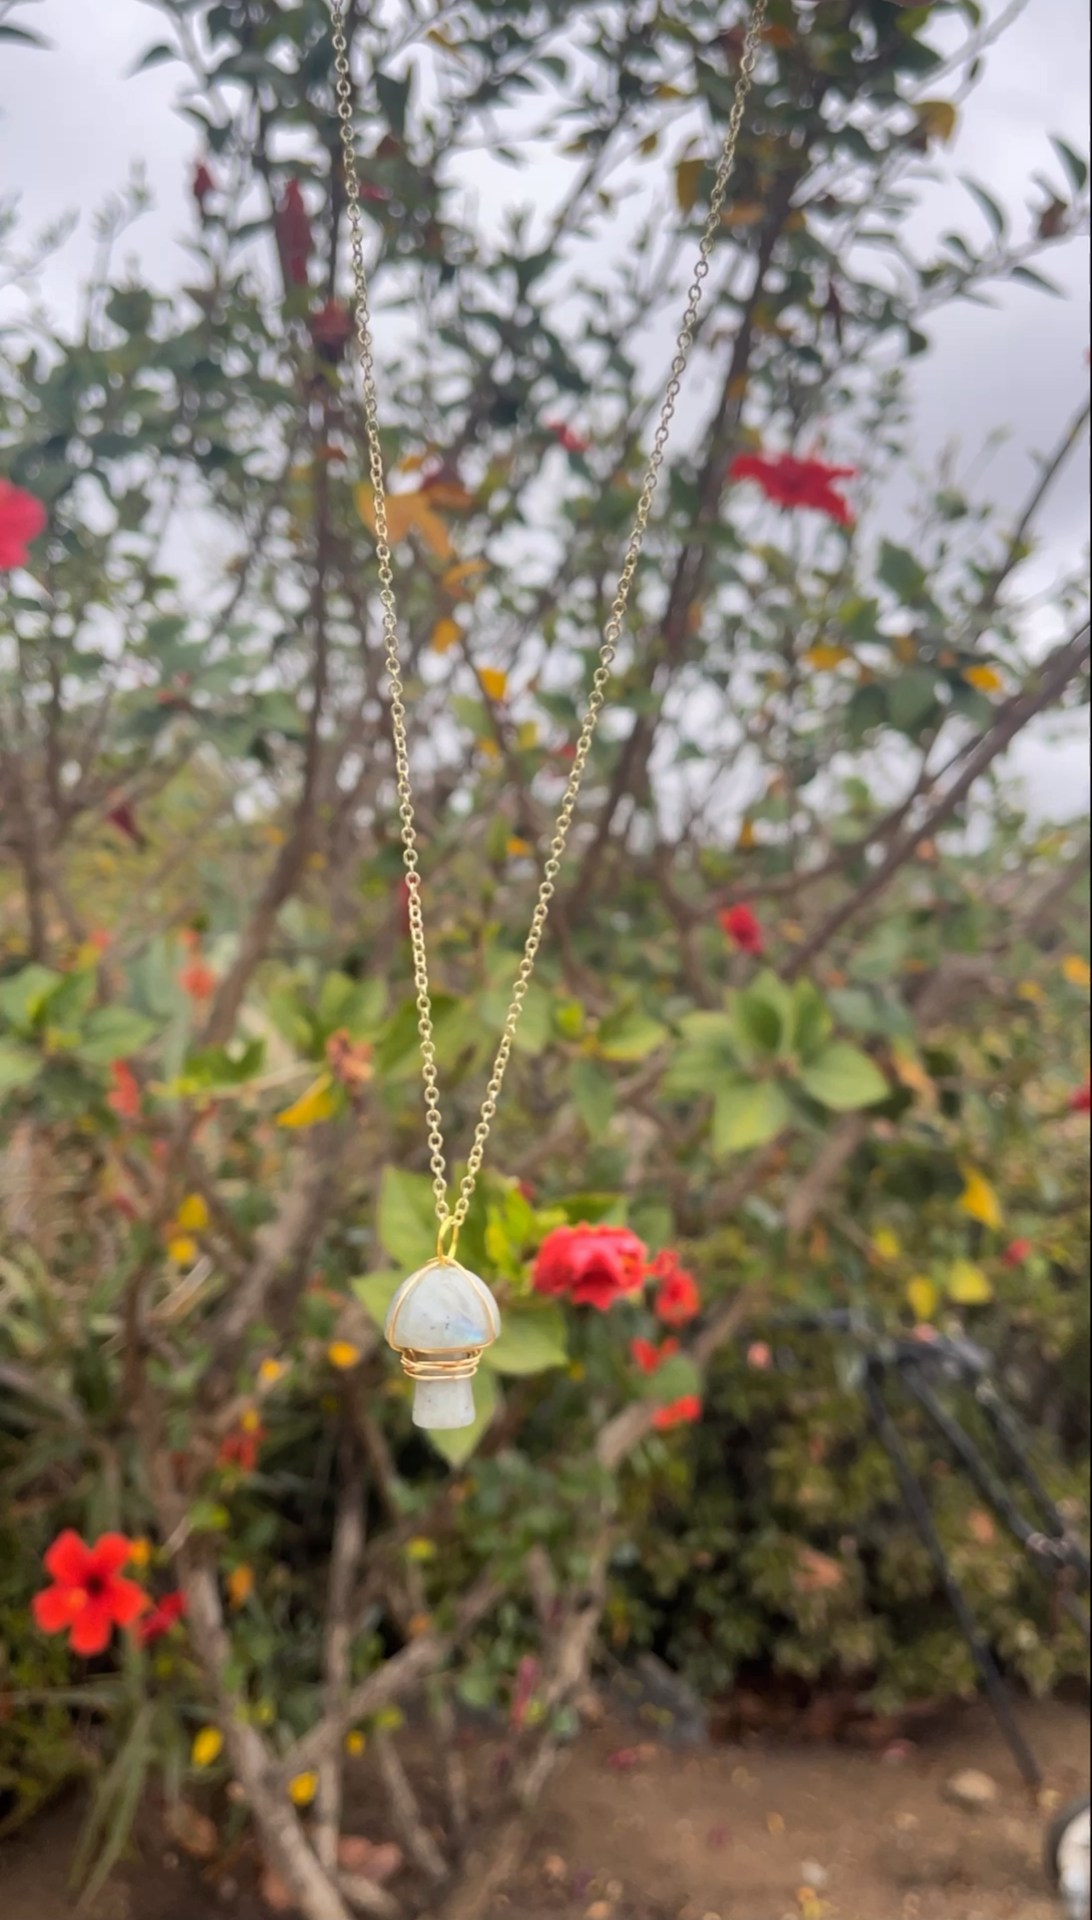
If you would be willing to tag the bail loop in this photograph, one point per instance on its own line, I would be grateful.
(448, 1238)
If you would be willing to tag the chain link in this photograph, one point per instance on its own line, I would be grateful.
(452, 1218)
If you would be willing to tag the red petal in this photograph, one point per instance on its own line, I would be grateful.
(109, 1553)
(91, 1628)
(68, 1559)
(125, 1600)
(53, 1609)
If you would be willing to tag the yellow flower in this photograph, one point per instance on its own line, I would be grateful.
(494, 682)
(240, 1585)
(182, 1249)
(1077, 970)
(980, 1201)
(355, 1742)
(250, 1420)
(420, 1549)
(446, 633)
(1031, 990)
(312, 1106)
(922, 1296)
(193, 1214)
(271, 1371)
(886, 1244)
(302, 1789)
(825, 656)
(517, 848)
(208, 1745)
(342, 1353)
(527, 734)
(488, 747)
(140, 1552)
(985, 679)
(968, 1286)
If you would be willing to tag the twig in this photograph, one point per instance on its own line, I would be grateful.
(405, 1812)
(344, 1560)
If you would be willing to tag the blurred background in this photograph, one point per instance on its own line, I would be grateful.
(780, 1465)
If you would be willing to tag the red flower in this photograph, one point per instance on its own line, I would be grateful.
(744, 929)
(198, 981)
(164, 1615)
(678, 1299)
(1016, 1253)
(759, 1355)
(648, 1357)
(124, 1097)
(594, 1265)
(22, 518)
(790, 482)
(565, 437)
(294, 238)
(240, 1449)
(1081, 1100)
(88, 1599)
(202, 185)
(680, 1413)
(524, 1690)
(330, 328)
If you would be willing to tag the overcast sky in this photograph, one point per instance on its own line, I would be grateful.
(73, 123)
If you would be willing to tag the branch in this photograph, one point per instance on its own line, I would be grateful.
(344, 1560)
(1060, 668)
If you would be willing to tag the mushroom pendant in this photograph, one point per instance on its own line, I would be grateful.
(440, 1320)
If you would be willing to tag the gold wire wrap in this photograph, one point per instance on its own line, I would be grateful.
(452, 1218)
(435, 1366)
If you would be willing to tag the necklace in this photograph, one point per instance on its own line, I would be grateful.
(443, 1316)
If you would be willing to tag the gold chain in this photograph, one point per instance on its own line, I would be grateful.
(451, 1218)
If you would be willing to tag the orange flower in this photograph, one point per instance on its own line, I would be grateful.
(197, 980)
(124, 1096)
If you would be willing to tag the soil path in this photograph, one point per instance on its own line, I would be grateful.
(732, 1833)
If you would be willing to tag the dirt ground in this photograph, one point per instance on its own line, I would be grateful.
(728, 1833)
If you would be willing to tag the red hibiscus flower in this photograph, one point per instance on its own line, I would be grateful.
(647, 1357)
(88, 1598)
(1081, 1100)
(164, 1615)
(124, 1096)
(22, 518)
(565, 437)
(680, 1413)
(294, 237)
(594, 1265)
(198, 981)
(744, 929)
(678, 1299)
(790, 482)
(1016, 1253)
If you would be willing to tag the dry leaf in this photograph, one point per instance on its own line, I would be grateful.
(980, 1201)
(195, 1833)
(687, 181)
(311, 1107)
(922, 1296)
(494, 682)
(938, 118)
(446, 633)
(967, 1285)
(825, 656)
(986, 679)
(192, 1215)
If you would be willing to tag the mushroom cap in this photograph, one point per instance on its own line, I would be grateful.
(442, 1308)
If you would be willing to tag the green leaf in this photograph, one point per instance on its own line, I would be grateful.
(375, 1291)
(761, 1015)
(901, 572)
(114, 1033)
(1028, 277)
(155, 57)
(593, 1095)
(707, 1053)
(988, 204)
(1075, 167)
(911, 697)
(18, 1066)
(811, 1020)
(843, 1078)
(531, 1341)
(629, 1035)
(459, 1443)
(673, 1381)
(23, 36)
(407, 1217)
(748, 1115)
(23, 995)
